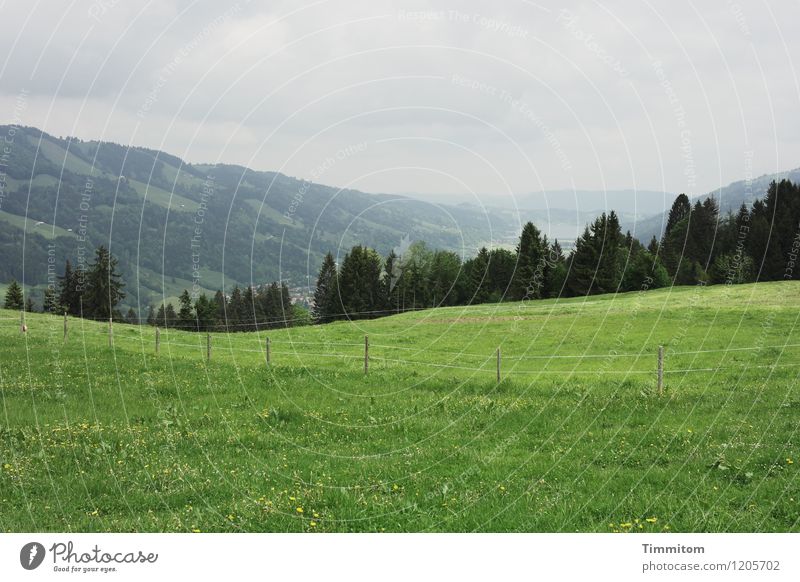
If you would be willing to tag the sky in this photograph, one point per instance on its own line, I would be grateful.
(436, 97)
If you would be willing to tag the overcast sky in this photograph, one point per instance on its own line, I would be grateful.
(421, 96)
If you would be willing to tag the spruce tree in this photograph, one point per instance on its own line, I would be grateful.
(14, 297)
(170, 317)
(478, 282)
(220, 305)
(131, 317)
(582, 265)
(104, 286)
(161, 317)
(360, 283)
(186, 317)
(531, 264)
(69, 295)
(326, 294)
(205, 310)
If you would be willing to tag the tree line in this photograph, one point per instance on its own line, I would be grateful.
(698, 246)
(96, 292)
(264, 307)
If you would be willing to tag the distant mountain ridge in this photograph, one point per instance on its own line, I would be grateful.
(173, 224)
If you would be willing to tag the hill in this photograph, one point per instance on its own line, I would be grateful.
(574, 438)
(161, 217)
(730, 198)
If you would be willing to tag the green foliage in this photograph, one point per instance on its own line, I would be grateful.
(104, 286)
(326, 296)
(360, 286)
(14, 298)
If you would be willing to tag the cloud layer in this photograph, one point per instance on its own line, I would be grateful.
(436, 97)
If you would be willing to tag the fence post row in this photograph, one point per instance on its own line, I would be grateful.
(660, 370)
(65, 326)
(110, 333)
(158, 338)
(268, 352)
(208, 346)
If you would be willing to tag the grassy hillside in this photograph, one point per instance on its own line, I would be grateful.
(575, 437)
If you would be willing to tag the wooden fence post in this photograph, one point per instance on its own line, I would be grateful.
(208, 346)
(65, 326)
(110, 333)
(366, 355)
(498, 365)
(660, 370)
(158, 338)
(22, 327)
(268, 352)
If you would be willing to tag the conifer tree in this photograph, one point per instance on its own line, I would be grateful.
(104, 286)
(14, 297)
(326, 294)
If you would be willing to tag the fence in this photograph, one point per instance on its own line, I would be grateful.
(329, 349)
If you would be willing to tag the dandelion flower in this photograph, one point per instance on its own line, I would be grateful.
(299, 510)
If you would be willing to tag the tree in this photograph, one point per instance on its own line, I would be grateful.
(681, 208)
(14, 298)
(151, 316)
(360, 283)
(287, 311)
(186, 317)
(676, 233)
(531, 270)
(556, 275)
(69, 294)
(609, 244)
(104, 286)
(161, 317)
(644, 271)
(478, 277)
(206, 312)
(653, 246)
(326, 294)
(443, 278)
(582, 265)
(170, 318)
(220, 305)
(237, 310)
(131, 317)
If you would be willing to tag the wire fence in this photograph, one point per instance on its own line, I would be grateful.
(432, 358)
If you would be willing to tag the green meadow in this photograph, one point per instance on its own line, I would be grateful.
(575, 436)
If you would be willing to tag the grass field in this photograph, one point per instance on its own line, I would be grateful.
(574, 438)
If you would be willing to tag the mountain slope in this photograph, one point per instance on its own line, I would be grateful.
(171, 223)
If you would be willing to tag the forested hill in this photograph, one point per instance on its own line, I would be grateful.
(163, 218)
